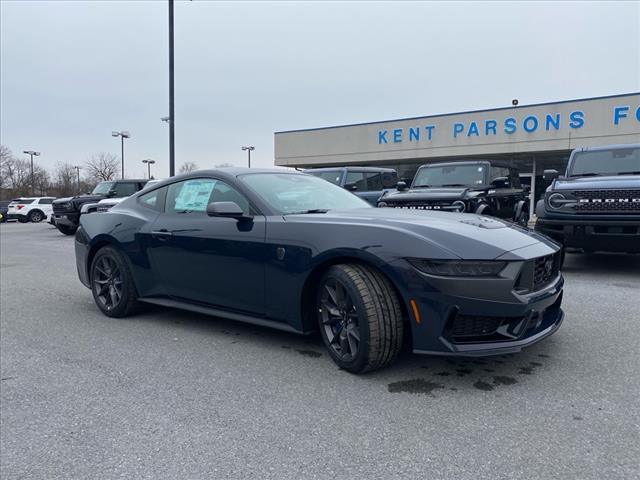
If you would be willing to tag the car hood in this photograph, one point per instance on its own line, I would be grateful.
(82, 198)
(417, 194)
(593, 183)
(465, 235)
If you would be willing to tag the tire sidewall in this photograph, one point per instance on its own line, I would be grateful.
(128, 289)
(33, 214)
(363, 325)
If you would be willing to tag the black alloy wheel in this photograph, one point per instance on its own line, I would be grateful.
(339, 318)
(36, 216)
(112, 284)
(359, 317)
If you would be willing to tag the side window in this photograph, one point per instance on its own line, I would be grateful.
(152, 200)
(189, 196)
(499, 172)
(389, 180)
(374, 181)
(46, 201)
(515, 179)
(357, 179)
(125, 189)
(223, 192)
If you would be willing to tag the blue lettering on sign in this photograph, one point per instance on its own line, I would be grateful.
(530, 124)
(618, 113)
(576, 119)
(397, 135)
(510, 125)
(552, 120)
(490, 125)
(429, 129)
(382, 136)
(414, 134)
(638, 114)
(457, 128)
(473, 129)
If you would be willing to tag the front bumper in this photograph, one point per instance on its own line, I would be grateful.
(480, 316)
(66, 219)
(589, 234)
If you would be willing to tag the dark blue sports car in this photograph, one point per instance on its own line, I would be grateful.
(291, 251)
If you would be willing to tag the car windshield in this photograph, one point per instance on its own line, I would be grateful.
(102, 188)
(450, 175)
(606, 162)
(289, 193)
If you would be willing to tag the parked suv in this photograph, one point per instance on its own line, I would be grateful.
(480, 186)
(30, 209)
(596, 205)
(369, 183)
(66, 211)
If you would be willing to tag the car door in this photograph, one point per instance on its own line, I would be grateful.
(209, 260)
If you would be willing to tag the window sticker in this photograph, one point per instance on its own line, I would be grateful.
(194, 195)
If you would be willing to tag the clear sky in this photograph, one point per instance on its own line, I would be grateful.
(71, 72)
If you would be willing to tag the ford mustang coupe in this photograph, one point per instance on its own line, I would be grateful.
(291, 251)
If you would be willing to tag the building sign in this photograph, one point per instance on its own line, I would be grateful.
(548, 127)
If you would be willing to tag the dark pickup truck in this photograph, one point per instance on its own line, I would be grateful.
(369, 183)
(66, 211)
(596, 205)
(479, 186)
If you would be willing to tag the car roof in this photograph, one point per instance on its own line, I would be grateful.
(28, 198)
(350, 167)
(496, 163)
(608, 147)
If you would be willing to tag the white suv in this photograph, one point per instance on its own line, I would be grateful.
(31, 209)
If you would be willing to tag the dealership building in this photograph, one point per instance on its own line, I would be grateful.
(531, 137)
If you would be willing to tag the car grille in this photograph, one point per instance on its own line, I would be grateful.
(608, 201)
(59, 208)
(477, 328)
(473, 326)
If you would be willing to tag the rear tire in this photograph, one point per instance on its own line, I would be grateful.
(112, 283)
(359, 317)
(36, 216)
(67, 230)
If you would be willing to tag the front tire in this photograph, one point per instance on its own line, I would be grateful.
(67, 230)
(112, 283)
(360, 317)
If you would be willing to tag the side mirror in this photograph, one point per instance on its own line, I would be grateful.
(225, 209)
(352, 187)
(550, 175)
(402, 186)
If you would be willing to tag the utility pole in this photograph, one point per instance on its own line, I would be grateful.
(78, 168)
(172, 118)
(149, 162)
(123, 134)
(249, 149)
(32, 154)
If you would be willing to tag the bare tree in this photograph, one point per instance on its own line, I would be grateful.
(6, 163)
(188, 167)
(65, 179)
(103, 166)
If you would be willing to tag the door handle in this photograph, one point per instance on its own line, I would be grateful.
(161, 234)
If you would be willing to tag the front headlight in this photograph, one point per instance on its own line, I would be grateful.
(458, 268)
(560, 200)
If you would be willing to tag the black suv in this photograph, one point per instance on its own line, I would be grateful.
(66, 211)
(369, 183)
(483, 187)
(596, 205)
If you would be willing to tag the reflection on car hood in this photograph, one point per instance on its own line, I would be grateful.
(593, 183)
(466, 235)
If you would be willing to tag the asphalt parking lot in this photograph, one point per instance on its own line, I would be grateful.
(169, 394)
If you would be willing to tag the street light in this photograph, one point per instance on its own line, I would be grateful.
(149, 162)
(122, 136)
(78, 168)
(172, 113)
(32, 153)
(249, 149)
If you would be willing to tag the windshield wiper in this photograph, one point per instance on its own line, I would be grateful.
(453, 185)
(421, 186)
(629, 173)
(313, 210)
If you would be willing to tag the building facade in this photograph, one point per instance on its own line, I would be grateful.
(531, 137)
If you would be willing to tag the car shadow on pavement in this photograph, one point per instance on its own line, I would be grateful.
(619, 264)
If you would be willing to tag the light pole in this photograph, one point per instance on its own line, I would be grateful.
(249, 149)
(78, 168)
(172, 133)
(122, 136)
(32, 153)
(149, 162)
